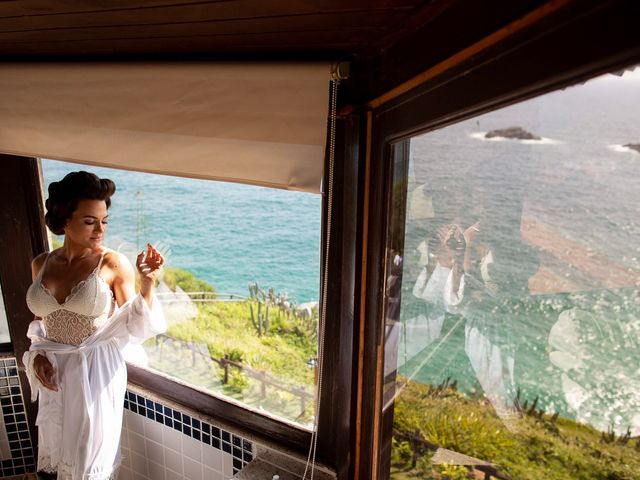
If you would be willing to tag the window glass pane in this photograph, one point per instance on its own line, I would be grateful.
(240, 286)
(516, 346)
(4, 325)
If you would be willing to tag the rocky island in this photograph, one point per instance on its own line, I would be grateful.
(633, 146)
(514, 133)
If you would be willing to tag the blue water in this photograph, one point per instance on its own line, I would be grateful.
(573, 339)
(227, 234)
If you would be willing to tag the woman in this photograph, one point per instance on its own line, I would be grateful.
(84, 297)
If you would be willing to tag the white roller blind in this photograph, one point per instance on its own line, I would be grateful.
(257, 123)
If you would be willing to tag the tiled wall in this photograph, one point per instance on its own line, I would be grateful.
(16, 454)
(159, 442)
(164, 443)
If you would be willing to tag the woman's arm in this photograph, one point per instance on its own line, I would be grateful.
(124, 276)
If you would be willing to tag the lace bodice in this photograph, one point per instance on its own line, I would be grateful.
(83, 311)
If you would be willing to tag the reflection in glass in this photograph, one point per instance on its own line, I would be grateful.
(518, 334)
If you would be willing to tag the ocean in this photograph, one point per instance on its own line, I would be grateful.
(225, 233)
(555, 315)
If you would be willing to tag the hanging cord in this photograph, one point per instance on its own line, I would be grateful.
(311, 457)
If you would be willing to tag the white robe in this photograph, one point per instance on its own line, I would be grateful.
(79, 425)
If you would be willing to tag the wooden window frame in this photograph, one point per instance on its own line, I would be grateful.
(574, 46)
(22, 178)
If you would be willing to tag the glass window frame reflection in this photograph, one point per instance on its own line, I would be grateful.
(396, 173)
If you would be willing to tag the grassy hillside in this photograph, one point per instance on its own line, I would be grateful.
(532, 446)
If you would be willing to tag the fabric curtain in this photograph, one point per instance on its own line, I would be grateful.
(255, 123)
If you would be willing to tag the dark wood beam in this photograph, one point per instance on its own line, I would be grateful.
(23, 237)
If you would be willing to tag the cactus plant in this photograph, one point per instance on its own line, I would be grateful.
(260, 316)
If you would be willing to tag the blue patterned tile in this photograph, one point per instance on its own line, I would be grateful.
(239, 448)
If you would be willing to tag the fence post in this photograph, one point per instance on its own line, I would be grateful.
(303, 399)
(226, 368)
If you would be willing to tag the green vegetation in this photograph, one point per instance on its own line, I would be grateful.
(276, 356)
(55, 242)
(529, 445)
(186, 280)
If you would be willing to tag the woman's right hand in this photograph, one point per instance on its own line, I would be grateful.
(45, 372)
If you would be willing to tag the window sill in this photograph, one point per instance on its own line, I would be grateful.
(270, 463)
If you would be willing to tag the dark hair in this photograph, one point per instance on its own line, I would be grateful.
(65, 195)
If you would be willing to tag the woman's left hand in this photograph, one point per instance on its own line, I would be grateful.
(149, 267)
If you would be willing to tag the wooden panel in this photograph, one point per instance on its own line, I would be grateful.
(168, 8)
(324, 41)
(23, 237)
(374, 23)
(449, 32)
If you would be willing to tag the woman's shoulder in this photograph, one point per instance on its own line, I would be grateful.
(117, 262)
(37, 263)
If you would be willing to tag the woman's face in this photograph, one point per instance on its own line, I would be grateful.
(88, 224)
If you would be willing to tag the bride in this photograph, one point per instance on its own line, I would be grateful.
(83, 296)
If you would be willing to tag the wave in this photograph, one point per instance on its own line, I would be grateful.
(621, 148)
(542, 141)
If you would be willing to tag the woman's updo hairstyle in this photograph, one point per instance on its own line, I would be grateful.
(65, 195)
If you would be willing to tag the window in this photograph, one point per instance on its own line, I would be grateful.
(240, 288)
(512, 314)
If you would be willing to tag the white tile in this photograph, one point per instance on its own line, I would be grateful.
(124, 438)
(192, 469)
(171, 475)
(153, 430)
(136, 444)
(135, 424)
(126, 457)
(172, 439)
(173, 460)
(212, 457)
(227, 464)
(155, 451)
(125, 418)
(209, 474)
(156, 471)
(139, 477)
(124, 474)
(192, 448)
(139, 465)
